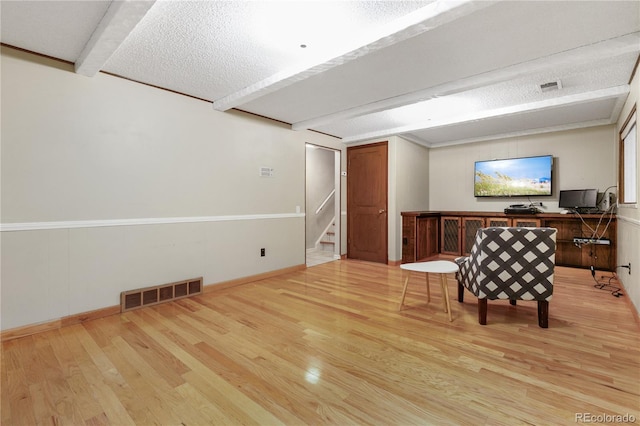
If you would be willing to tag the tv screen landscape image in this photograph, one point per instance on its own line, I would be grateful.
(513, 177)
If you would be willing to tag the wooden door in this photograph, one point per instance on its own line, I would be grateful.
(367, 225)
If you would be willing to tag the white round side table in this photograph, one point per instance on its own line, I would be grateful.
(442, 267)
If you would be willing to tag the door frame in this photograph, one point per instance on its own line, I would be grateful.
(337, 183)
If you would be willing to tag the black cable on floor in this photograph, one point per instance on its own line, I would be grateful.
(607, 286)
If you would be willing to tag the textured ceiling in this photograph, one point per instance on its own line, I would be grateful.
(436, 72)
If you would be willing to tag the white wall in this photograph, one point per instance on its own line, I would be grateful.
(80, 154)
(629, 216)
(583, 158)
(411, 176)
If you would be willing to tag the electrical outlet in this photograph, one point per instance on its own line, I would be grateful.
(263, 252)
(627, 266)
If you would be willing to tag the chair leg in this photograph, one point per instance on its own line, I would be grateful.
(543, 314)
(512, 302)
(460, 292)
(482, 311)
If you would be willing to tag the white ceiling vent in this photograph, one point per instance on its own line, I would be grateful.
(551, 86)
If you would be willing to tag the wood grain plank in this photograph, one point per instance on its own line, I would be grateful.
(99, 372)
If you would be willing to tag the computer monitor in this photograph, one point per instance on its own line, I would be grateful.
(578, 199)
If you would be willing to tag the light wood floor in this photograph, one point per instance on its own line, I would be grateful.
(327, 345)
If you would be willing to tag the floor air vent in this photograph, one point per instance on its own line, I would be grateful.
(149, 296)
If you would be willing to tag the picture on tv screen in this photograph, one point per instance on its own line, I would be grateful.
(513, 177)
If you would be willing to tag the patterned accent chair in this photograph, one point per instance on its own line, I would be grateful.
(510, 263)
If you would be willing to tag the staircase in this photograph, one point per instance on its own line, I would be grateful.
(328, 240)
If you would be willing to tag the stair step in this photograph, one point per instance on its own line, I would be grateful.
(328, 239)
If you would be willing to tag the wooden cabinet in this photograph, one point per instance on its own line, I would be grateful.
(513, 221)
(498, 221)
(419, 236)
(470, 226)
(456, 234)
(527, 222)
(584, 255)
(427, 242)
(450, 235)
(567, 253)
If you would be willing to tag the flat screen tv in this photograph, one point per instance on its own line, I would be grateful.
(513, 177)
(576, 199)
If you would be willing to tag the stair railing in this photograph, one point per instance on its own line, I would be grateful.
(326, 200)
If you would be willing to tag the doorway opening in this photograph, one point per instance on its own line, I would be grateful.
(322, 205)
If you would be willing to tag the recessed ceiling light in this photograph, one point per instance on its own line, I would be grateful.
(304, 46)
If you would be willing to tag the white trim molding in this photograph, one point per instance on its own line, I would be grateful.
(33, 226)
(630, 220)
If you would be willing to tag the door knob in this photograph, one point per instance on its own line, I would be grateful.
(381, 211)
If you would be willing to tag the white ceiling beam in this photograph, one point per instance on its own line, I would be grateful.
(438, 13)
(617, 109)
(583, 55)
(520, 133)
(612, 92)
(116, 25)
